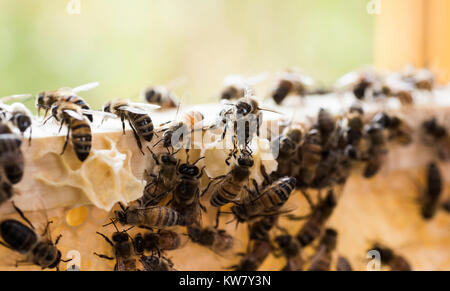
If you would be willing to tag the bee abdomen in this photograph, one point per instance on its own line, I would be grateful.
(225, 193)
(162, 216)
(18, 236)
(5, 192)
(144, 125)
(81, 139)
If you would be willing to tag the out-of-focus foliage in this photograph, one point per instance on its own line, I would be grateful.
(126, 45)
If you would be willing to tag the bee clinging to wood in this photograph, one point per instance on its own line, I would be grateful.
(78, 128)
(37, 249)
(268, 201)
(163, 240)
(154, 263)
(315, 222)
(437, 136)
(285, 147)
(139, 120)
(310, 154)
(321, 261)
(259, 230)
(154, 216)
(178, 132)
(229, 186)
(45, 100)
(163, 183)
(377, 149)
(434, 185)
(217, 240)
(186, 196)
(389, 257)
(123, 250)
(290, 248)
(257, 252)
(18, 115)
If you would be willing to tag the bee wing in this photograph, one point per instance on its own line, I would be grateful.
(15, 97)
(145, 106)
(132, 109)
(74, 114)
(97, 112)
(85, 87)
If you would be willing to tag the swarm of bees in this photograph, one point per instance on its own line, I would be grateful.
(319, 157)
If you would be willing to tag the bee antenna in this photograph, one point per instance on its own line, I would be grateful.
(201, 158)
(269, 110)
(160, 140)
(113, 223)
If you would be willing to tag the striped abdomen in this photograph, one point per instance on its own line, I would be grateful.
(18, 236)
(143, 125)
(81, 137)
(275, 195)
(78, 101)
(156, 216)
(11, 157)
(226, 191)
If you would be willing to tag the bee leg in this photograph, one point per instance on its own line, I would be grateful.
(46, 228)
(153, 156)
(217, 218)
(106, 238)
(22, 215)
(297, 218)
(265, 175)
(104, 256)
(29, 139)
(57, 241)
(60, 126)
(122, 119)
(202, 207)
(308, 199)
(136, 136)
(66, 141)
(145, 227)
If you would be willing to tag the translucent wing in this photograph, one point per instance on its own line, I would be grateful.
(96, 112)
(145, 106)
(132, 109)
(85, 87)
(74, 114)
(15, 97)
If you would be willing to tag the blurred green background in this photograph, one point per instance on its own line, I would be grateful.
(127, 45)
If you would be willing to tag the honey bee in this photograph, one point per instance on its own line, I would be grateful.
(285, 147)
(186, 196)
(267, 202)
(78, 128)
(217, 240)
(291, 82)
(437, 136)
(392, 259)
(321, 212)
(310, 154)
(434, 186)
(138, 118)
(154, 216)
(163, 240)
(190, 121)
(123, 250)
(45, 100)
(396, 127)
(422, 79)
(235, 87)
(230, 186)
(160, 185)
(321, 261)
(325, 124)
(23, 239)
(161, 96)
(259, 230)
(257, 252)
(377, 149)
(291, 250)
(343, 264)
(18, 115)
(11, 157)
(153, 263)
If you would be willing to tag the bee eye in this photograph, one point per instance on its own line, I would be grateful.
(149, 94)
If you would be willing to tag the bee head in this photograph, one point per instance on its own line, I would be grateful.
(121, 217)
(56, 261)
(149, 95)
(295, 135)
(189, 170)
(245, 160)
(168, 159)
(107, 107)
(40, 99)
(243, 108)
(23, 122)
